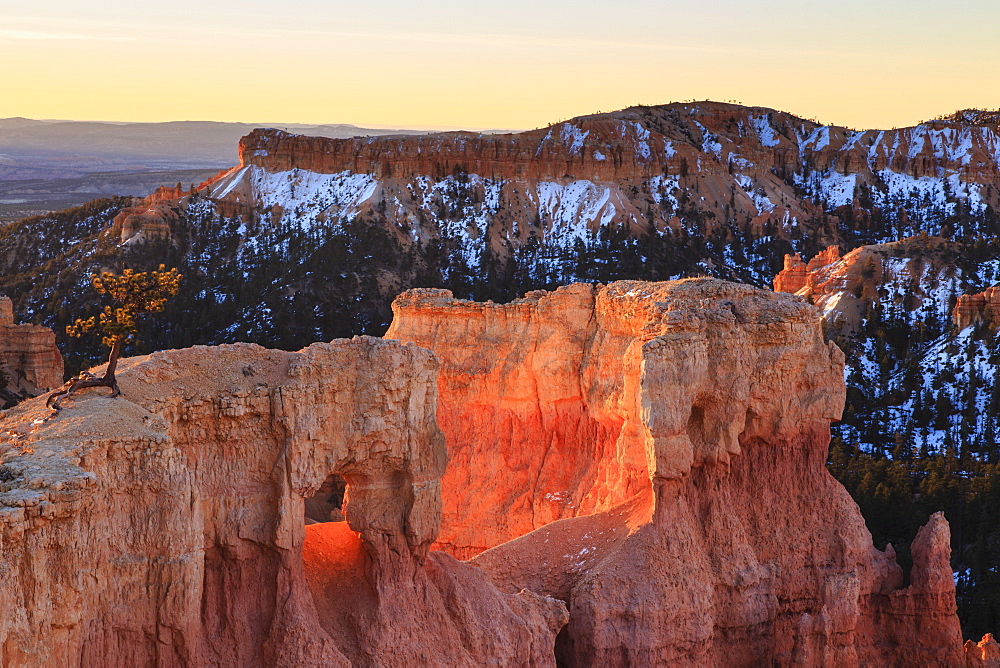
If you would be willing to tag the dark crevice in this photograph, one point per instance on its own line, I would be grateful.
(327, 504)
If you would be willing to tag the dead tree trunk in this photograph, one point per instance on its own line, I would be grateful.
(87, 379)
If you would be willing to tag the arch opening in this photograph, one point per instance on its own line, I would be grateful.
(329, 502)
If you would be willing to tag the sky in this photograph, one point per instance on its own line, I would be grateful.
(515, 64)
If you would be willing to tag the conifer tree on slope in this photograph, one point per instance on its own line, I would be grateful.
(134, 295)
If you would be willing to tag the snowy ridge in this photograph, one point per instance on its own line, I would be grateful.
(765, 131)
(573, 137)
(757, 194)
(933, 194)
(709, 143)
(568, 210)
(307, 195)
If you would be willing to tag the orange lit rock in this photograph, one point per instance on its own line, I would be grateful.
(167, 527)
(984, 654)
(804, 279)
(979, 308)
(844, 288)
(28, 355)
(541, 415)
(148, 219)
(732, 544)
(793, 277)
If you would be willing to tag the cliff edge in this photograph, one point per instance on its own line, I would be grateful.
(30, 362)
(168, 528)
(661, 449)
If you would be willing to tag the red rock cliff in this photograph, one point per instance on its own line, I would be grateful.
(166, 528)
(982, 307)
(709, 165)
(28, 355)
(708, 404)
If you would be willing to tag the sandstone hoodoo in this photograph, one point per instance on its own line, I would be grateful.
(709, 404)
(30, 362)
(917, 272)
(166, 527)
(638, 469)
(983, 307)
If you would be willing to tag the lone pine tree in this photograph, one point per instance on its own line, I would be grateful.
(134, 294)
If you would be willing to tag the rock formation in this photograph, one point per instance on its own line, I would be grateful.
(167, 527)
(983, 307)
(710, 165)
(710, 404)
(149, 218)
(29, 358)
(556, 389)
(803, 279)
(984, 654)
(644, 461)
(844, 288)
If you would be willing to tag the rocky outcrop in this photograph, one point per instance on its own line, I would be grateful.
(710, 404)
(984, 654)
(803, 279)
(149, 218)
(653, 454)
(917, 271)
(983, 307)
(556, 387)
(29, 358)
(167, 527)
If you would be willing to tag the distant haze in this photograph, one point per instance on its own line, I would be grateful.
(49, 165)
(389, 63)
(117, 146)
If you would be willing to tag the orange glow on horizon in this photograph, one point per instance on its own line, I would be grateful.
(455, 65)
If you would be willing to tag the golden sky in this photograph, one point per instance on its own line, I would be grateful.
(512, 65)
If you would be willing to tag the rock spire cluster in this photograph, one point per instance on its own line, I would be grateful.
(637, 469)
(29, 358)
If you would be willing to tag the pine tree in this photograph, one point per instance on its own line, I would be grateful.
(134, 294)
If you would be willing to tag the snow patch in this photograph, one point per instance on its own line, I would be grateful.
(765, 131)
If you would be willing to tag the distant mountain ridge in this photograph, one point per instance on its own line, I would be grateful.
(173, 144)
(713, 170)
(48, 165)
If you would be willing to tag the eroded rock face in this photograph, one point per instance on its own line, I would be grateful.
(149, 218)
(543, 422)
(985, 653)
(28, 356)
(845, 287)
(736, 547)
(800, 278)
(168, 528)
(983, 307)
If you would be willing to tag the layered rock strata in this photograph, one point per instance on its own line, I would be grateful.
(167, 527)
(983, 307)
(708, 166)
(914, 271)
(539, 399)
(29, 357)
(709, 405)
(800, 278)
